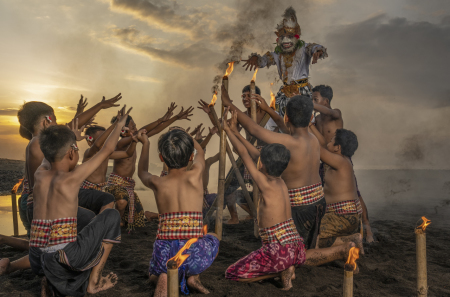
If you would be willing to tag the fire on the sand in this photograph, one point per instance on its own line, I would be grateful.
(16, 186)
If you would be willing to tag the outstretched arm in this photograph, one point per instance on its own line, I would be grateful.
(206, 108)
(198, 163)
(165, 118)
(182, 115)
(318, 135)
(146, 177)
(130, 150)
(334, 113)
(84, 117)
(273, 114)
(205, 141)
(252, 150)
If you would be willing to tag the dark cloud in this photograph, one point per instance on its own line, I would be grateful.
(403, 61)
(8, 112)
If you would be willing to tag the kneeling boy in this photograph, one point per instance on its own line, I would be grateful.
(179, 198)
(283, 247)
(71, 261)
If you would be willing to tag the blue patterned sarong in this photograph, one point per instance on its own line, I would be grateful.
(202, 255)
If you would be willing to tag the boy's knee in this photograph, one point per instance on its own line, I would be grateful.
(121, 204)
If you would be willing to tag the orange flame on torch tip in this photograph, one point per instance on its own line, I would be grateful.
(214, 99)
(254, 75)
(272, 97)
(205, 229)
(424, 224)
(229, 69)
(16, 186)
(179, 258)
(353, 255)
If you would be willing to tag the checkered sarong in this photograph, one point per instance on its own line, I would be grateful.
(283, 233)
(128, 184)
(164, 173)
(51, 232)
(88, 185)
(306, 195)
(346, 207)
(180, 225)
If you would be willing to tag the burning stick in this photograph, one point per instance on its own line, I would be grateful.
(349, 267)
(255, 119)
(272, 98)
(14, 207)
(173, 264)
(421, 257)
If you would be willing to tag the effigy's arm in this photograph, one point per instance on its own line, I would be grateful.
(312, 48)
(266, 60)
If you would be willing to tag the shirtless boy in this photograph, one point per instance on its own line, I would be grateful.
(72, 260)
(327, 122)
(301, 175)
(179, 198)
(283, 248)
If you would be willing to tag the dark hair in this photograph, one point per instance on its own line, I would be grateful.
(299, 110)
(114, 118)
(275, 158)
(325, 91)
(176, 148)
(55, 141)
(93, 129)
(347, 140)
(247, 89)
(29, 115)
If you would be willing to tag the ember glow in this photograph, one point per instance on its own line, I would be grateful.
(254, 75)
(353, 255)
(179, 258)
(229, 69)
(16, 186)
(272, 97)
(214, 99)
(425, 223)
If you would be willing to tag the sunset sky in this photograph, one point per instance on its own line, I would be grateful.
(388, 64)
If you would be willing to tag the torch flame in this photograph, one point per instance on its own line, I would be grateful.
(229, 69)
(424, 224)
(353, 255)
(16, 186)
(205, 229)
(254, 75)
(214, 99)
(179, 258)
(272, 97)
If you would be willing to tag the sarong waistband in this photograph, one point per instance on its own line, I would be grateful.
(306, 195)
(25, 187)
(180, 225)
(128, 183)
(164, 173)
(283, 233)
(345, 207)
(88, 185)
(291, 89)
(52, 232)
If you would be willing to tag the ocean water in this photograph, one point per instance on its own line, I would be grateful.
(401, 195)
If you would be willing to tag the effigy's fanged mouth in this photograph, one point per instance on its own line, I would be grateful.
(287, 45)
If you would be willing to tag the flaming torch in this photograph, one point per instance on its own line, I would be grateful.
(349, 267)
(421, 257)
(14, 206)
(272, 97)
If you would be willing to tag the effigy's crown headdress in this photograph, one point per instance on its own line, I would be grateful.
(289, 23)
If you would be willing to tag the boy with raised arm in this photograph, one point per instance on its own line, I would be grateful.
(71, 260)
(283, 247)
(179, 198)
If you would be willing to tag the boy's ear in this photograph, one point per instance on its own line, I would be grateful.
(71, 155)
(161, 158)
(286, 118)
(191, 158)
(328, 101)
(337, 148)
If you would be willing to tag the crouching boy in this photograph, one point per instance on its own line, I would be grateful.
(283, 248)
(71, 260)
(179, 198)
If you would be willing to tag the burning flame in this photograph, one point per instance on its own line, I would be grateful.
(205, 229)
(424, 224)
(254, 75)
(229, 69)
(16, 186)
(272, 97)
(179, 258)
(353, 255)
(214, 99)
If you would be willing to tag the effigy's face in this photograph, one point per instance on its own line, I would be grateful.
(287, 43)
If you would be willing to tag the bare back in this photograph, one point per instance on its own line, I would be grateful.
(99, 175)
(33, 159)
(340, 184)
(274, 206)
(125, 167)
(327, 125)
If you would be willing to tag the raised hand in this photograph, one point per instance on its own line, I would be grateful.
(184, 115)
(110, 102)
(316, 56)
(260, 101)
(234, 122)
(251, 62)
(74, 127)
(196, 129)
(169, 112)
(225, 119)
(225, 97)
(81, 105)
(123, 119)
(141, 136)
(198, 135)
(213, 130)
(204, 106)
(90, 122)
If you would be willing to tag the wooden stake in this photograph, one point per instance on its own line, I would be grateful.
(348, 283)
(255, 187)
(421, 258)
(173, 289)
(14, 213)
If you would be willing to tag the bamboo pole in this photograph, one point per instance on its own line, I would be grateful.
(255, 187)
(173, 289)
(421, 258)
(348, 283)
(14, 213)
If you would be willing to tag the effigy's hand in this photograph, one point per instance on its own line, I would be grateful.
(251, 62)
(316, 56)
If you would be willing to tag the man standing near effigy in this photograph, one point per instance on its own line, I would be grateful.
(292, 56)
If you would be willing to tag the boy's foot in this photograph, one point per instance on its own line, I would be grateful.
(194, 283)
(153, 279)
(150, 215)
(45, 289)
(232, 221)
(286, 278)
(104, 283)
(4, 264)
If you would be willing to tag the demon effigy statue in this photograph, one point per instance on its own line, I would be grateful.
(292, 56)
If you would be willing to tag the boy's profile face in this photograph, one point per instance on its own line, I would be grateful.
(132, 128)
(330, 145)
(318, 99)
(96, 135)
(246, 99)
